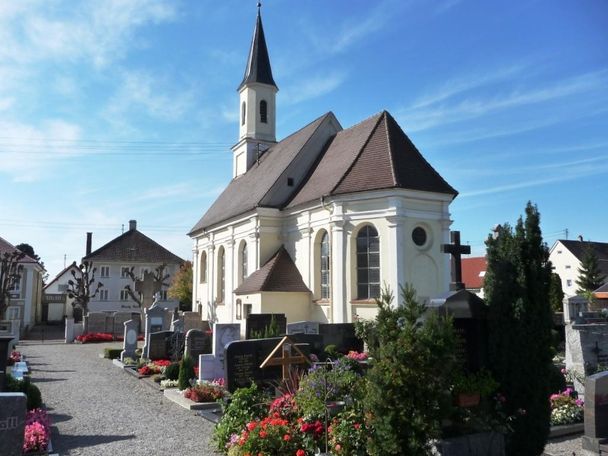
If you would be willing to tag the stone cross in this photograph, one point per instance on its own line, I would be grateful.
(286, 360)
(148, 287)
(456, 249)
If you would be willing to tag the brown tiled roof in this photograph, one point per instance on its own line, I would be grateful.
(578, 249)
(245, 192)
(473, 271)
(374, 154)
(133, 246)
(7, 247)
(278, 274)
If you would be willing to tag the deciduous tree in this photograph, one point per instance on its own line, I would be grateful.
(82, 287)
(181, 286)
(10, 274)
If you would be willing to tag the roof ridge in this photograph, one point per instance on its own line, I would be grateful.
(124, 235)
(390, 150)
(365, 143)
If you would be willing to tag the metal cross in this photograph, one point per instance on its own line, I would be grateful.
(456, 249)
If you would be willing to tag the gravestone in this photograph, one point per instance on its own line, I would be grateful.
(257, 323)
(177, 324)
(6, 329)
(243, 359)
(303, 327)
(12, 423)
(4, 354)
(470, 318)
(596, 413)
(159, 345)
(69, 330)
(129, 344)
(149, 289)
(342, 335)
(118, 323)
(192, 320)
(212, 366)
(95, 322)
(156, 319)
(197, 343)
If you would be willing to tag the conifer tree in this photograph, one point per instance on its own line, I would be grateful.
(517, 286)
(590, 277)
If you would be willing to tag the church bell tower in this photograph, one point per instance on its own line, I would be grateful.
(257, 105)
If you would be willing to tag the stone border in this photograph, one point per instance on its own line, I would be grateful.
(147, 380)
(566, 429)
(133, 371)
(175, 395)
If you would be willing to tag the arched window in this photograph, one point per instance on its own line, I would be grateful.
(203, 267)
(221, 275)
(325, 262)
(263, 111)
(368, 263)
(243, 112)
(243, 262)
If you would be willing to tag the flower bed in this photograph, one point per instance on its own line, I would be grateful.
(205, 392)
(566, 408)
(101, 337)
(37, 431)
(15, 357)
(154, 367)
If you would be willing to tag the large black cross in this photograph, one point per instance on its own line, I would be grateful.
(456, 249)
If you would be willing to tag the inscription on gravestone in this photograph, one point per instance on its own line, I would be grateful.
(197, 343)
(159, 345)
(596, 411)
(12, 423)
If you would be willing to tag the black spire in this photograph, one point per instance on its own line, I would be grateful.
(258, 64)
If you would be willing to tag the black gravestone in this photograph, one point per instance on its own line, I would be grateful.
(342, 335)
(244, 357)
(4, 354)
(470, 317)
(257, 324)
(197, 343)
(159, 344)
(596, 412)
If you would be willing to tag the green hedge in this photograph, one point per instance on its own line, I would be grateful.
(112, 353)
(34, 398)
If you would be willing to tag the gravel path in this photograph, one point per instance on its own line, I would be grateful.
(97, 409)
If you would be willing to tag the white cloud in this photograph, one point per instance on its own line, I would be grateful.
(313, 86)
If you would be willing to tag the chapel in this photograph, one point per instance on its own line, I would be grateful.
(315, 224)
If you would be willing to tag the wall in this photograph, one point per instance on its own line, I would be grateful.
(566, 265)
(581, 342)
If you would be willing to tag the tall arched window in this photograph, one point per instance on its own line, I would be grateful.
(244, 264)
(243, 112)
(368, 263)
(221, 276)
(263, 111)
(203, 267)
(325, 262)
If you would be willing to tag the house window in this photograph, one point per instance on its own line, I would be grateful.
(15, 288)
(142, 271)
(163, 295)
(124, 295)
(263, 111)
(221, 276)
(103, 295)
(124, 272)
(368, 263)
(567, 266)
(290, 181)
(104, 271)
(13, 313)
(203, 267)
(62, 288)
(243, 111)
(325, 261)
(247, 309)
(244, 264)
(568, 283)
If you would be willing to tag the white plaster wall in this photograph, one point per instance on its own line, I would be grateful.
(252, 94)
(566, 265)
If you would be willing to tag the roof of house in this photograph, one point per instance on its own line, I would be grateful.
(473, 271)
(372, 155)
(278, 274)
(133, 246)
(578, 249)
(7, 247)
(258, 63)
(58, 276)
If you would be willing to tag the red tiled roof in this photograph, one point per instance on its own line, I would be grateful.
(6, 246)
(473, 270)
(278, 274)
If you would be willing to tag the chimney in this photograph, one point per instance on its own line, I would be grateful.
(89, 243)
(132, 225)
(580, 238)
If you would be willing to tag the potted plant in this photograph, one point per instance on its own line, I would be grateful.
(470, 388)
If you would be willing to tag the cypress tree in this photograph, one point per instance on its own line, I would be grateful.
(517, 284)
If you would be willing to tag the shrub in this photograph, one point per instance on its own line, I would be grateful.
(412, 368)
(34, 398)
(271, 435)
(186, 372)
(348, 433)
(112, 353)
(557, 380)
(172, 371)
(246, 404)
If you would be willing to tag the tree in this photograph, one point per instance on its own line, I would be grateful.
(29, 251)
(517, 285)
(413, 362)
(82, 288)
(556, 293)
(181, 286)
(590, 277)
(159, 278)
(10, 274)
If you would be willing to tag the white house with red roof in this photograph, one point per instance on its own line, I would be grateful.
(314, 224)
(473, 273)
(26, 294)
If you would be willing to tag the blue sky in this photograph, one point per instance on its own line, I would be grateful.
(120, 110)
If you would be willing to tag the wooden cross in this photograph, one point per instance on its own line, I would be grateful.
(456, 249)
(286, 360)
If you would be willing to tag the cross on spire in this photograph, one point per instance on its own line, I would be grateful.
(456, 249)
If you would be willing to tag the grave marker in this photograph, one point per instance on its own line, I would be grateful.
(159, 345)
(342, 335)
(129, 344)
(155, 320)
(286, 360)
(12, 423)
(257, 323)
(212, 366)
(596, 413)
(303, 327)
(197, 343)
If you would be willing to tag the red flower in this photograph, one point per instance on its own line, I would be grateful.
(287, 437)
(300, 452)
(263, 434)
(357, 425)
(251, 426)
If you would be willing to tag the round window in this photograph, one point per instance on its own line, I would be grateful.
(419, 236)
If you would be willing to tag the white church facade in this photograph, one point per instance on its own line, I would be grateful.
(314, 225)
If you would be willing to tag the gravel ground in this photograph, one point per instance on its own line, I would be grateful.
(96, 409)
(565, 446)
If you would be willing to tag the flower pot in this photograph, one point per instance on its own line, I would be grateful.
(467, 400)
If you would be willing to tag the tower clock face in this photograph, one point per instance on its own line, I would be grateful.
(419, 236)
